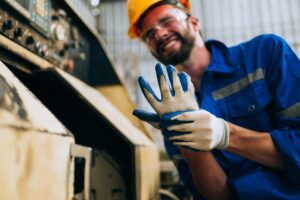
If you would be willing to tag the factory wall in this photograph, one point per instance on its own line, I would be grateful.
(230, 21)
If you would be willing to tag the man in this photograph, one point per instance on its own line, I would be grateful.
(244, 140)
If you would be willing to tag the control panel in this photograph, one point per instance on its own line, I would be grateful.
(47, 33)
(42, 28)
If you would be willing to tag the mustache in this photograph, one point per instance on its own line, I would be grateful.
(161, 42)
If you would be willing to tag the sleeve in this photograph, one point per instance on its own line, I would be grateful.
(182, 167)
(279, 114)
(283, 79)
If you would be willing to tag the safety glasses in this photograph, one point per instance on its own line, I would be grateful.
(172, 19)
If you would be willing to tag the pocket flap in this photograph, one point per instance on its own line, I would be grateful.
(249, 100)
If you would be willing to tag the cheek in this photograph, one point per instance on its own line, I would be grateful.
(180, 29)
(152, 47)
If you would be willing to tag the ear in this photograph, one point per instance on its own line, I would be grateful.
(194, 22)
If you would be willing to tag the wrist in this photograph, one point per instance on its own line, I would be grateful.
(190, 154)
(225, 135)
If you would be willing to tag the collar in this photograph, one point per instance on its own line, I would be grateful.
(222, 59)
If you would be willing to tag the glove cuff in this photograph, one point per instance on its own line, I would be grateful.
(224, 143)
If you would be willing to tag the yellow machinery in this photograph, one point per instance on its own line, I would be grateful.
(59, 137)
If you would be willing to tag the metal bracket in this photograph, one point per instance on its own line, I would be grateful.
(86, 153)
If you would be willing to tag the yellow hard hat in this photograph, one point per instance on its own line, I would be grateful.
(136, 8)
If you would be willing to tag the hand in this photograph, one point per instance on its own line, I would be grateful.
(202, 131)
(157, 122)
(151, 118)
(180, 97)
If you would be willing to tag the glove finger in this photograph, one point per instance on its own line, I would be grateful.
(146, 116)
(144, 85)
(149, 94)
(190, 145)
(168, 116)
(187, 85)
(170, 70)
(164, 124)
(166, 120)
(154, 124)
(191, 88)
(169, 134)
(188, 116)
(185, 127)
(185, 138)
(184, 78)
(166, 92)
(174, 80)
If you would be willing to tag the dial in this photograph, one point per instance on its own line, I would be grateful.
(58, 32)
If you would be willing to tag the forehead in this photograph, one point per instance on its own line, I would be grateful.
(157, 13)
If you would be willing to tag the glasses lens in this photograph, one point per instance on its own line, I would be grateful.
(175, 17)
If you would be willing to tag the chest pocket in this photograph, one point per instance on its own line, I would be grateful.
(244, 97)
(249, 100)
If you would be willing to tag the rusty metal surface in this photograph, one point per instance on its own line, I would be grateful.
(20, 109)
(35, 165)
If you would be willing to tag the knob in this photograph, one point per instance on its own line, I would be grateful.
(45, 51)
(38, 47)
(18, 32)
(69, 65)
(7, 25)
(29, 40)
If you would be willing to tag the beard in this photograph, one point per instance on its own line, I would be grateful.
(187, 43)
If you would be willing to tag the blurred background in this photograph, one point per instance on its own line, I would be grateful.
(230, 21)
(68, 86)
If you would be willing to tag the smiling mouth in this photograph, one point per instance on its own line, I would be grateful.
(167, 44)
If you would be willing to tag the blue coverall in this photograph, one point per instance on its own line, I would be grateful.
(255, 85)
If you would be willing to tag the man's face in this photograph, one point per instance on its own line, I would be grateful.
(166, 32)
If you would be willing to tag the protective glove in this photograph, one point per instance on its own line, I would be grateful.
(201, 130)
(151, 118)
(157, 122)
(180, 96)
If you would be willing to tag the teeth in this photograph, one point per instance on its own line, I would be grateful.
(169, 44)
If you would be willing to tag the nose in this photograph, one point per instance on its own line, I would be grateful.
(160, 33)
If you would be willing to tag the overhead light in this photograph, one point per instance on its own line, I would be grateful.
(95, 2)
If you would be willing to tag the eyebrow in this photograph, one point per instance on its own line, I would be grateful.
(159, 21)
(162, 20)
(178, 12)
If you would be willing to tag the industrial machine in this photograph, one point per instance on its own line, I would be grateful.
(60, 138)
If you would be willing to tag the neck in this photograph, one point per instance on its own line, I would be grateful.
(197, 62)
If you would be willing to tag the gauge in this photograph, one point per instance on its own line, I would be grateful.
(58, 32)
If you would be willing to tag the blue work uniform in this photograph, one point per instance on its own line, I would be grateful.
(255, 85)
